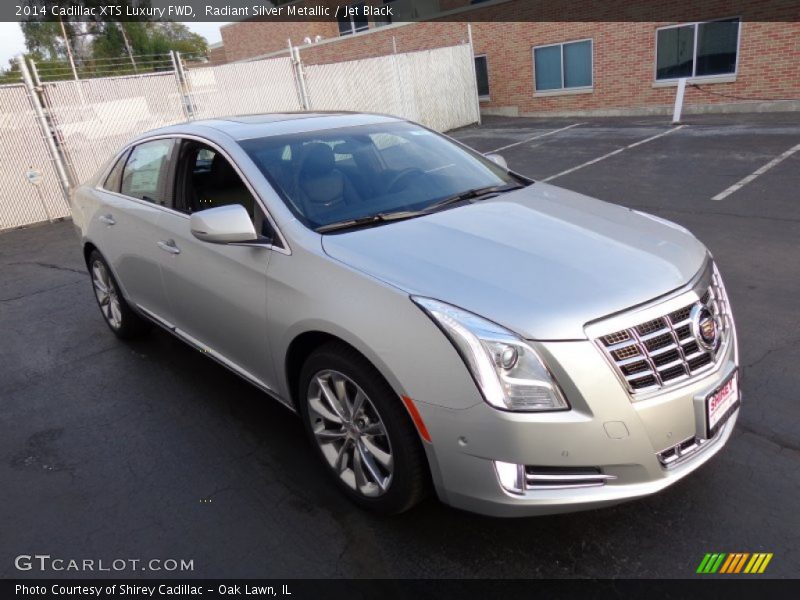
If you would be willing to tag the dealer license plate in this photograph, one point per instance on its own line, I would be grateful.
(721, 404)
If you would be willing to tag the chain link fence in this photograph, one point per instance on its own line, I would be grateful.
(29, 185)
(93, 118)
(241, 88)
(59, 133)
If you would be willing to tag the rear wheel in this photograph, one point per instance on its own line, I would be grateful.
(361, 430)
(118, 315)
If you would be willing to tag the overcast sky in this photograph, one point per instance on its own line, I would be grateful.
(12, 42)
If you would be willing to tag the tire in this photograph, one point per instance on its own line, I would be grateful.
(117, 313)
(381, 426)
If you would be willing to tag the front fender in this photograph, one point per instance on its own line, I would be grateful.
(375, 318)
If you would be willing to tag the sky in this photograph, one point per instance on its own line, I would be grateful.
(12, 42)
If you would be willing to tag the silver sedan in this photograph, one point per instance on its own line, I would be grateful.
(438, 321)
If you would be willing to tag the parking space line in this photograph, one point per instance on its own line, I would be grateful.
(535, 137)
(615, 152)
(743, 182)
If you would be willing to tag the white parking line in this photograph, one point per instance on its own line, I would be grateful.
(740, 184)
(535, 137)
(605, 156)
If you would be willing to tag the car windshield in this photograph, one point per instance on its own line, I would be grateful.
(337, 178)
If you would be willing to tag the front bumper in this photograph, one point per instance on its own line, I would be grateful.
(605, 431)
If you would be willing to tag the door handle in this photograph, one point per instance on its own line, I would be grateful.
(107, 219)
(169, 246)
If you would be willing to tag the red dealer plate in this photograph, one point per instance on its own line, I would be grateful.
(721, 404)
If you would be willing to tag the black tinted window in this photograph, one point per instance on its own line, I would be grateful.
(697, 50)
(675, 50)
(145, 172)
(716, 47)
(482, 76)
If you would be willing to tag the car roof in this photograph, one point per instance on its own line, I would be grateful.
(242, 127)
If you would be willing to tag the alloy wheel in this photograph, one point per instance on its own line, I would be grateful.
(350, 433)
(106, 293)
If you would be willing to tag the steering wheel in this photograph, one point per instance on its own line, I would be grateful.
(401, 176)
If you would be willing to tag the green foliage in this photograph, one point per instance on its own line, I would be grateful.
(99, 46)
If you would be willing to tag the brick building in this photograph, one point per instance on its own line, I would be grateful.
(613, 57)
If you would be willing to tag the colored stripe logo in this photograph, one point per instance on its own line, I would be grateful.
(735, 562)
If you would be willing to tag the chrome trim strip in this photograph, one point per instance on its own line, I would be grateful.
(214, 355)
(568, 477)
(699, 446)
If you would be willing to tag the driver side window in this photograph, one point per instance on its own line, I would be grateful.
(208, 179)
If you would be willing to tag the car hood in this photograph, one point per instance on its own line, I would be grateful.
(541, 261)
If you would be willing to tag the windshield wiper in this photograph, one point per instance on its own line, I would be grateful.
(370, 220)
(473, 194)
(410, 214)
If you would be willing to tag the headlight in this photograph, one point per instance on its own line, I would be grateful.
(508, 371)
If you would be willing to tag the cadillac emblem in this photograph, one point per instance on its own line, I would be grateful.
(706, 327)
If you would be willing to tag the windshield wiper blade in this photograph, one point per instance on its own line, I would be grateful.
(473, 194)
(370, 220)
(410, 214)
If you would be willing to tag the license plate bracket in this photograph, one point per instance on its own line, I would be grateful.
(722, 403)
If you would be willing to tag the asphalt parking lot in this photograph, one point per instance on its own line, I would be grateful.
(150, 450)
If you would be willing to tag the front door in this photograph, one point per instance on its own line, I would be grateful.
(217, 292)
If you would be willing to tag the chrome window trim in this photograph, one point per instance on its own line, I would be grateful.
(188, 136)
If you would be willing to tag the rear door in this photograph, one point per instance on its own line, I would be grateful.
(217, 292)
(127, 227)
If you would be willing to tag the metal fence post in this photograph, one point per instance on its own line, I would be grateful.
(184, 85)
(474, 72)
(47, 133)
(300, 76)
(35, 72)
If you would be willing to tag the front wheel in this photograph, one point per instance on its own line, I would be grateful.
(361, 430)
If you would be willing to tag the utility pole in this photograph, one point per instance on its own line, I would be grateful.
(68, 46)
(127, 45)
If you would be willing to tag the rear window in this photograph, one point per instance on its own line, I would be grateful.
(114, 178)
(145, 173)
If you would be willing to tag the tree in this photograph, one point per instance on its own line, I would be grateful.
(95, 42)
(147, 38)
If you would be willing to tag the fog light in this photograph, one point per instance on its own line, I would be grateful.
(511, 476)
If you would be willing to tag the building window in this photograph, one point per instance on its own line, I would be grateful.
(353, 22)
(563, 66)
(382, 20)
(482, 76)
(697, 49)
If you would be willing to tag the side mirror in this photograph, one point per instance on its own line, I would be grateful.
(223, 225)
(498, 160)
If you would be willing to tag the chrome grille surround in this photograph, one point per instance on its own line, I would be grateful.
(651, 354)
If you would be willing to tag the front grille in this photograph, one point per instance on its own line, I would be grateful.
(663, 352)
